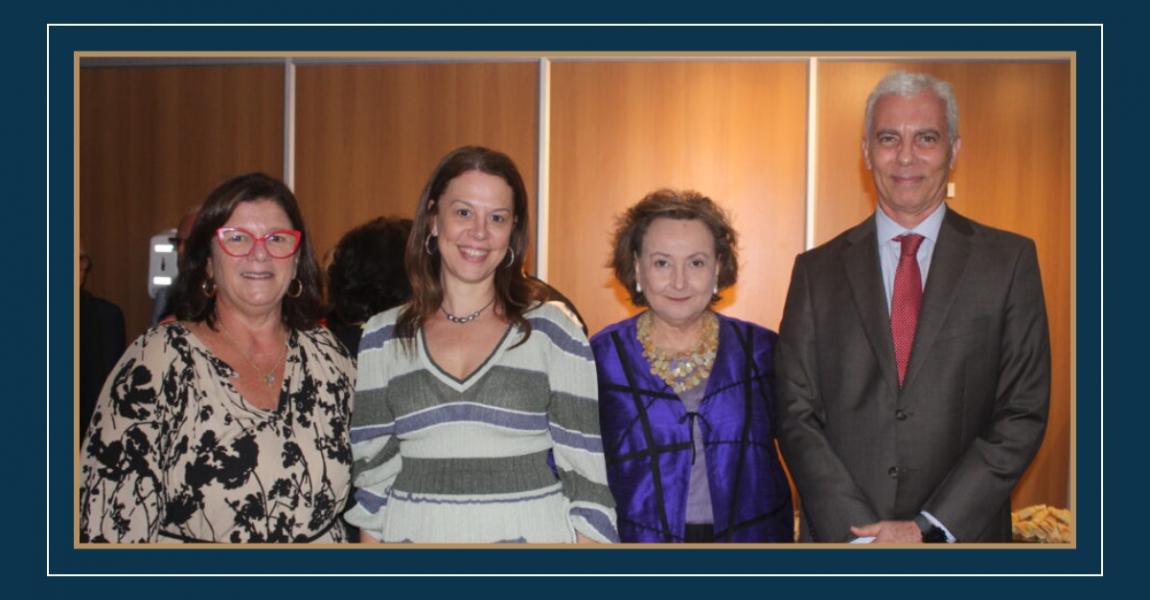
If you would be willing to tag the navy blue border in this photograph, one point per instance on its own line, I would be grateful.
(1085, 41)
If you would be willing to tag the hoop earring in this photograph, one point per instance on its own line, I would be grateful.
(427, 244)
(299, 288)
(208, 287)
(510, 256)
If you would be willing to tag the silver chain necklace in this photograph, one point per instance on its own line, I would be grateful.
(270, 377)
(466, 318)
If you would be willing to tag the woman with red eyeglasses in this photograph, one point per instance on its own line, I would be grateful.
(230, 424)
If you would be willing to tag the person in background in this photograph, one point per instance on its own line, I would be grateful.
(685, 393)
(102, 341)
(914, 357)
(366, 276)
(463, 392)
(231, 423)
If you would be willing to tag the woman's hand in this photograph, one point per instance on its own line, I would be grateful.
(582, 539)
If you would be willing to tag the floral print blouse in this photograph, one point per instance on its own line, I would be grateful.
(175, 454)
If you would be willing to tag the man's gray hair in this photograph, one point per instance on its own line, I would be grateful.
(912, 84)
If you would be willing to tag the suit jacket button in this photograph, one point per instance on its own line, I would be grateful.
(900, 414)
(893, 472)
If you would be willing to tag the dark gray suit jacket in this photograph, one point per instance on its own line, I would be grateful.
(972, 412)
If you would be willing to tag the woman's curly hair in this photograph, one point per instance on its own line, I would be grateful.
(366, 275)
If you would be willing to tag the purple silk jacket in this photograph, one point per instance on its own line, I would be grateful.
(647, 439)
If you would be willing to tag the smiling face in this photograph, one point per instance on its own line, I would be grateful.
(254, 284)
(473, 223)
(677, 269)
(910, 154)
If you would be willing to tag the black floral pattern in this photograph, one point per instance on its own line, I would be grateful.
(175, 454)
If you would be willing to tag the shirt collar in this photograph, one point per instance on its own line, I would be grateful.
(887, 229)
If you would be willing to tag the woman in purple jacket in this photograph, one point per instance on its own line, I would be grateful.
(685, 401)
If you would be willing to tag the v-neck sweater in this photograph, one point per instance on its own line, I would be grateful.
(511, 453)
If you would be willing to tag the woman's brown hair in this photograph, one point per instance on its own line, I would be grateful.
(631, 227)
(514, 292)
(192, 304)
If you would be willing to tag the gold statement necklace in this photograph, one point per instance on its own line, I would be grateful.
(270, 377)
(681, 370)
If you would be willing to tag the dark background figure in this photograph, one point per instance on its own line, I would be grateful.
(102, 342)
(366, 276)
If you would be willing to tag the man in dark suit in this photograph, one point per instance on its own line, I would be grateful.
(914, 359)
(101, 344)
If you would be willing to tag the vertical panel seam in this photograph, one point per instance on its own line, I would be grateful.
(289, 122)
(542, 196)
(812, 150)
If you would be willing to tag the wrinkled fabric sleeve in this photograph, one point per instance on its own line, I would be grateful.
(121, 486)
(573, 418)
(982, 479)
(374, 445)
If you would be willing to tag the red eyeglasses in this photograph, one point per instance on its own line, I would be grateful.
(239, 242)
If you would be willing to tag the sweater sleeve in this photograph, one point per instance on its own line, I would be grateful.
(573, 418)
(374, 445)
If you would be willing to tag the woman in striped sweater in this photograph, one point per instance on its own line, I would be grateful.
(476, 416)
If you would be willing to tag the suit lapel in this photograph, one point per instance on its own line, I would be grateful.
(863, 272)
(947, 266)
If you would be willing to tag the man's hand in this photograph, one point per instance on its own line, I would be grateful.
(890, 532)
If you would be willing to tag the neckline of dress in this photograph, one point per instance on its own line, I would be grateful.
(476, 373)
(239, 397)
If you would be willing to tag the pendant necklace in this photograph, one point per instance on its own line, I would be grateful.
(270, 378)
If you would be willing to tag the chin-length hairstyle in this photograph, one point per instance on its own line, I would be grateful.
(631, 227)
(514, 292)
(301, 312)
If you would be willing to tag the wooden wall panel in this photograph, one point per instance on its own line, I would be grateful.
(153, 142)
(1013, 172)
(369, 135)
(735, 131)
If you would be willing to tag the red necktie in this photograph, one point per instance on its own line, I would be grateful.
(905, 301)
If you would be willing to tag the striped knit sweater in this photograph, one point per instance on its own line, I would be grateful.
(510, 454)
